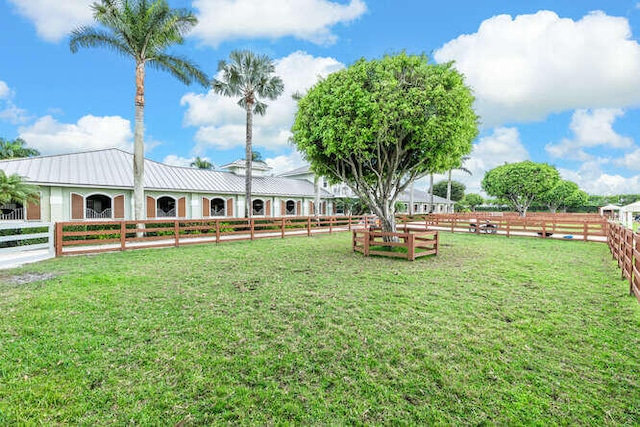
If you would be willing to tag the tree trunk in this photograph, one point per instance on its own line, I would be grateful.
(449, 186)
(138, 146)
(248, 161)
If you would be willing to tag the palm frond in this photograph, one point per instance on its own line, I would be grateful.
(181, 68)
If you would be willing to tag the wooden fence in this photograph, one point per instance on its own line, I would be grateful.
(412, 244)
(625, 249)
(586, 227)
(101, 236)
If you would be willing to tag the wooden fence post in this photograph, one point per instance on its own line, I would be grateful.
(308, 226)
(410, 240)
(585, 229)
(366, 241)
(123, 235)
(58, 238)
(349, 222)
(217, 231)
(252, 227)
(282, 227)
(176, 232)
(331, 218)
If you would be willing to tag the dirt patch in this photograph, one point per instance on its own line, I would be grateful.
(24, 278)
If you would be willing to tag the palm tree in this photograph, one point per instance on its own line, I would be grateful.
(16, 148)
(248, 76)
(201, 163)
(459, 168)
(14, 189)
(142, 30)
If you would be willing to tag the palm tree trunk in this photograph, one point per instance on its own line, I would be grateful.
(248, 161)
(316, 188)
(431, 193)
(449, 186)
(138, 146)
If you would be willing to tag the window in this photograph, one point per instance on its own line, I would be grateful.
(258, 207)
(98, 206)
(290, 208)
(217, 207)
(166, 207)
(12, 210)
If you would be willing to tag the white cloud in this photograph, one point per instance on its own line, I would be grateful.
(173, 160)
(221, 122)
(9, 112)
(54, 20)
(310, 20)
(593, 180)
(502, 146)
(5, 92)
(524, 68)
(285, 163)
(630, 161)
(90, 133)
(591, 128)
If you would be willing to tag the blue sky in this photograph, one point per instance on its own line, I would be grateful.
(556, 81)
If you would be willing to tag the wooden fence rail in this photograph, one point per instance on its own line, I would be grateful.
(625, 249)
(102, 236)
(584, 227)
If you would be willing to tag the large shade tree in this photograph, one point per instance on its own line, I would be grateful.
(563, 195)
(379, 125)
(249, 77)
(520, 184)
(142, 30)
(11, 149)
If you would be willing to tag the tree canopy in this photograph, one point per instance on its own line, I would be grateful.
(441, 188)
(11, 149)
(520, 184)
(563, 195)
(473, 200)
(379, 125)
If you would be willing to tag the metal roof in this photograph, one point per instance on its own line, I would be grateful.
(299, 171)
(113, 168)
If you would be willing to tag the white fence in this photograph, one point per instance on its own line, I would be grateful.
(23, 242)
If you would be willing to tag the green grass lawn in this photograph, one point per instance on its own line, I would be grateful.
(493, 330)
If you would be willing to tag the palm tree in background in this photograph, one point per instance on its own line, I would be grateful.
(14, 189)
(250, 77)
(459, 168)
(142, 30)
(15, 149)
(201, 163)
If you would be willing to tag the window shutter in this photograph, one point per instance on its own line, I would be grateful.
(283, 208)
(33, 210)
(77, 206)
(206, 207)
(267, 209)
(311, 209)
(182, 207)
(151, 207)
(230, 207)
(298, 208)
(118, 207)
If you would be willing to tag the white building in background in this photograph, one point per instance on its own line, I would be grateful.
(421, 201)
(630, 213)
(99, 185)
